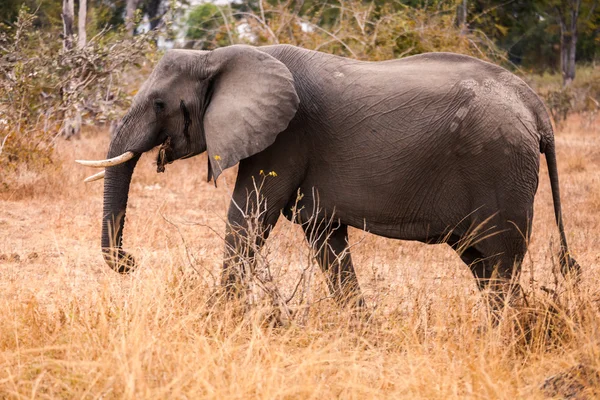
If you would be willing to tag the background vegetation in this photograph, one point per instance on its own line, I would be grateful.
(50, 87)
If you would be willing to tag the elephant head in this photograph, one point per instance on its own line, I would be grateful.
(231, 102)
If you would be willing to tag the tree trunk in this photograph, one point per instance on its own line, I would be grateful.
(573, 42)
(569, 70)
(461, 16)
(130, 15)
(82, 36)
(68, 13)
(153, 12)
(567, 20)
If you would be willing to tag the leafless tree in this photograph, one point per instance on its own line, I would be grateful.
(82, 37)
(68, 13)
(568, 13)
(130, 15)
(461, 16)
(567, 20)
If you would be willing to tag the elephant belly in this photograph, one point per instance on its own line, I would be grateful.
(421, 210)
(427, 194)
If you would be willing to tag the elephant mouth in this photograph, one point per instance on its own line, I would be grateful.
(165, 155)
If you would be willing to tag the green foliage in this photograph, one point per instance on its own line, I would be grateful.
(529, 32)
(104, 15)
(47, 12)
(202, 19)
(206, 27)
(44, 85)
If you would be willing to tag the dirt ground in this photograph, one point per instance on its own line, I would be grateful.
(70, 327)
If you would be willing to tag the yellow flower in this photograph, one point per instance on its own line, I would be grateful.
(261, 172)
(273, 173)
(217, 157)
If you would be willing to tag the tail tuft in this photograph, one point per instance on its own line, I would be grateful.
(569, 267)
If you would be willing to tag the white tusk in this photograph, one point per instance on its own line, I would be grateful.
(111, 162)
(95, 177)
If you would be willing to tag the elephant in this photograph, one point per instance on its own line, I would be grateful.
(436, 148)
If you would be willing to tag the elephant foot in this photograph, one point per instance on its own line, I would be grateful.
(119, 260)
(231, 283)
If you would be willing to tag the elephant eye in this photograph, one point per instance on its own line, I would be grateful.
(159, 105)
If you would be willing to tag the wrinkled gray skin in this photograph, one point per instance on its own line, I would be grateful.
(437, 147)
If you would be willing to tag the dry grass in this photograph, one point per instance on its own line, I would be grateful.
(72, 328)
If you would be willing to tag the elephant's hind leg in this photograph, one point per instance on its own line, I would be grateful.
(481, 268)
(331, 248)
(496, 264)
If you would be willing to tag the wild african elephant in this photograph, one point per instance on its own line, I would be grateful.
(436, 147)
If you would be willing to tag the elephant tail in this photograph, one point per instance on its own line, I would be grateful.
(567, 263)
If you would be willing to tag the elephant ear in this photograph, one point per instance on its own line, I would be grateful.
(252, 100)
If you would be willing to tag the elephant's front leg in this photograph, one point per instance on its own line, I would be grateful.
(256, 204)
(248, 227)
(331, 247)
(265, 183)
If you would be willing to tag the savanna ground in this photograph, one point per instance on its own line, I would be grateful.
(72, 328)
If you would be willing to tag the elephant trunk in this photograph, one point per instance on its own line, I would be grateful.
(116, 192)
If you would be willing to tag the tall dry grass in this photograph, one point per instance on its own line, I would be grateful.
(72, 328)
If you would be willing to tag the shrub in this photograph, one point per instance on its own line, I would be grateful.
(352, 28)
(582, 96)
(46, 88)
